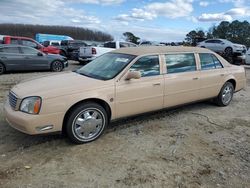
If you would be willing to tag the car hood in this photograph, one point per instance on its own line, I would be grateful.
(58, 85)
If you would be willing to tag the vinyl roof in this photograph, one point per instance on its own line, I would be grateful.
(142, 50)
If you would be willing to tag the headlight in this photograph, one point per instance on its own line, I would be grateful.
(31, 105)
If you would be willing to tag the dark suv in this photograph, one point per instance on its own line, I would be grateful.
(70, 48)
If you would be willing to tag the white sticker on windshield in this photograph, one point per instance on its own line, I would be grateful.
(124, 60)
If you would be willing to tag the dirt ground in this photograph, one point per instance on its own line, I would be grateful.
(199, 145)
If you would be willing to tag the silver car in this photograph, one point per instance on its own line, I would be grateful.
(223, 46)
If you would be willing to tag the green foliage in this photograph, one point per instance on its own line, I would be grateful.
(130, 37)
(195, 36)
(236, 31)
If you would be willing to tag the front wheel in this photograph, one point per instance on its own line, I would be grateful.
(57, 66)
(226, 95)
(86, 123)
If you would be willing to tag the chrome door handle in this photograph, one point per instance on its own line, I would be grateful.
(222, 74)
(157, 84)
(195, 78)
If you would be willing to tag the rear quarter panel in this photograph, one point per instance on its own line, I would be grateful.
(238, 73)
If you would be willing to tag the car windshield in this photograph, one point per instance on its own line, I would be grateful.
(106, 66)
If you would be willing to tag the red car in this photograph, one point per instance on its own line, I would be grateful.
(31, 43)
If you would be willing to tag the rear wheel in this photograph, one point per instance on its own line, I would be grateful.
(226, 95)
(229, 51)
(2, 68)
(86, 122)
(57, 66)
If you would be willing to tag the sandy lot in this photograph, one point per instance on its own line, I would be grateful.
(199, 145)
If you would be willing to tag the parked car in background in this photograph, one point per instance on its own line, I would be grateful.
(151, 43)
(25, 41)
(223, 46)
(118, 84)
(70, 48)
(23, 58)
(89, 53)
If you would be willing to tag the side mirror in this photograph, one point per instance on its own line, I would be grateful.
(39, 54)
(133, 75)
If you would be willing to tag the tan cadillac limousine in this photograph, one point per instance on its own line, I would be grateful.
(119, 84)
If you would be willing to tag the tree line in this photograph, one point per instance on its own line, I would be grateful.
(236, 32)
(28, 30)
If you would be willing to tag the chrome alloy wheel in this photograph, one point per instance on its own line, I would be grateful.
(227, 94)
(88, 124)
(57, 66)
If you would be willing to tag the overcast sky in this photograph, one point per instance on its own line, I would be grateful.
(156, 20)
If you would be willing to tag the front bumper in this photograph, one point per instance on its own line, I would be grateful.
(239, 50)
(73, 55)
(86, 58)
(66, 64)
(33, 124)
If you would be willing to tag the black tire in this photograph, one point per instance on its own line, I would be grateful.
(57, 66)
(229, 51)
(2, 68)
(88, 123)
(62, 53)
(223, 99)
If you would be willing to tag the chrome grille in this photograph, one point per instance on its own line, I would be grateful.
(12, 100)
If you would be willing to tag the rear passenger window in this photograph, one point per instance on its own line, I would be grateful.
(12, 50)
(177, 63)
(209, 61)
(148, 66)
